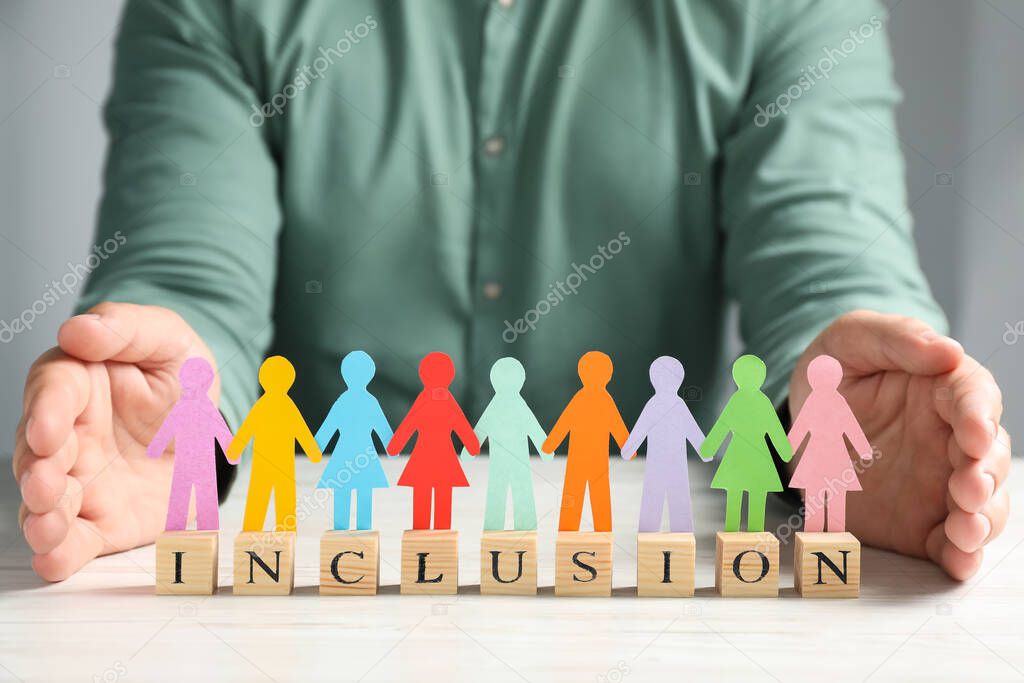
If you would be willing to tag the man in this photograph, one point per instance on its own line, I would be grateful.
(506, 178)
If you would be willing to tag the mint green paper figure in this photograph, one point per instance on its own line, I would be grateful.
(509, 425)
(747, 464)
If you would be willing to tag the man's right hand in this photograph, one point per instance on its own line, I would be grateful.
(91, 406)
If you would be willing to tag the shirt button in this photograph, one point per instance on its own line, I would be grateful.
(492, 290)
(494, 145)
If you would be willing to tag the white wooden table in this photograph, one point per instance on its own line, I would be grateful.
(910, 624)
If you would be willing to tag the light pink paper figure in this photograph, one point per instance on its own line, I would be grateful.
(194, 423)
(825, 470)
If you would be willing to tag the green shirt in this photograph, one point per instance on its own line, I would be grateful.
(506, 178)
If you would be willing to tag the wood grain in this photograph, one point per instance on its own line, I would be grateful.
(186, 562)
(430, 562)
(812, 575)
(747, 564)
(583, 564)
(350, 562)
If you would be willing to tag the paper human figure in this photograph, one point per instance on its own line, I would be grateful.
(747, 465)
(194, 424)
(354, 465)
(824, 469)
(273, 424)
(433, 469)
(667, 425)
(589, 419)
(508, 425)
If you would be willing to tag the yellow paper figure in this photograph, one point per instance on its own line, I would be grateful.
(274, 424)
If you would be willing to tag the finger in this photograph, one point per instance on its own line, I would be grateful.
(866, 342)
(45, 532)
(970, 401)
(973, 482)
(126, 333)
(81, 544)
(24, 459)
(56, 393)
(42, 486)
(958, 564)
(970, 531)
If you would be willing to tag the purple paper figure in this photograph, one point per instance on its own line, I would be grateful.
(825, 470)
(667, 425)
(194, 423)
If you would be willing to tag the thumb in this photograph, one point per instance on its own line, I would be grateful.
(127, 333)
(866, 342)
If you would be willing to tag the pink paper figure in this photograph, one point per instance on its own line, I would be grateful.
(194, 423)
(667, 425)
(825, 470)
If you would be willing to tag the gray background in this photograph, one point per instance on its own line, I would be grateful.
(961, 125)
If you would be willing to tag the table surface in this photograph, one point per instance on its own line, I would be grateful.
(105, 623)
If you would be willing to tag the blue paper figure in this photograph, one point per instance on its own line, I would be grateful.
(354, 465)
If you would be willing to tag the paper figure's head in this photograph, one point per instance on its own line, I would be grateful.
(507, 374)
(824, 373)
(666, 375)
(436, 370)
(595, 369)
(749, 372)
(276, 375)
(357, 369)
(195, 377)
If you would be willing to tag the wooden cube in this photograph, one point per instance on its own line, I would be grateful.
(264, 563)
(350, 563)
(827, 565)
(665, 565)
(186, 562)
(508, 563)
(583, 563)
(430, 562)
(747, 565)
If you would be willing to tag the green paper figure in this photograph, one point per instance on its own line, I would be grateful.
(747, 464)
(508, 425)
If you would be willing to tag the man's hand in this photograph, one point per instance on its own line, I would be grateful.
(92, 404)
(932, 413)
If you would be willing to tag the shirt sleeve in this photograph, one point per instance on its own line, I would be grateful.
(190, 193)
(814, 212)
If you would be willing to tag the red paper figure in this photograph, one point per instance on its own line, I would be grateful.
(433, 466)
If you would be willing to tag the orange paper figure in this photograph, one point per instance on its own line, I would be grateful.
(433, 468)
(825, 470)
(274, 425)
(589, 419)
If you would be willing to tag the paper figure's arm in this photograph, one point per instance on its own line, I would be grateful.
(329, 427)
(305, 437)
(381, 425)
(776, 432)
(406, 428)
(618, 428)
(639, 433)
(482, 431)
(221, 432)
(463, 430)
(857, 437)
(694, 434)
(800, 429)
(716, 437)
(536, 434)
(163, 437)
(561, 429)
(242, 437)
